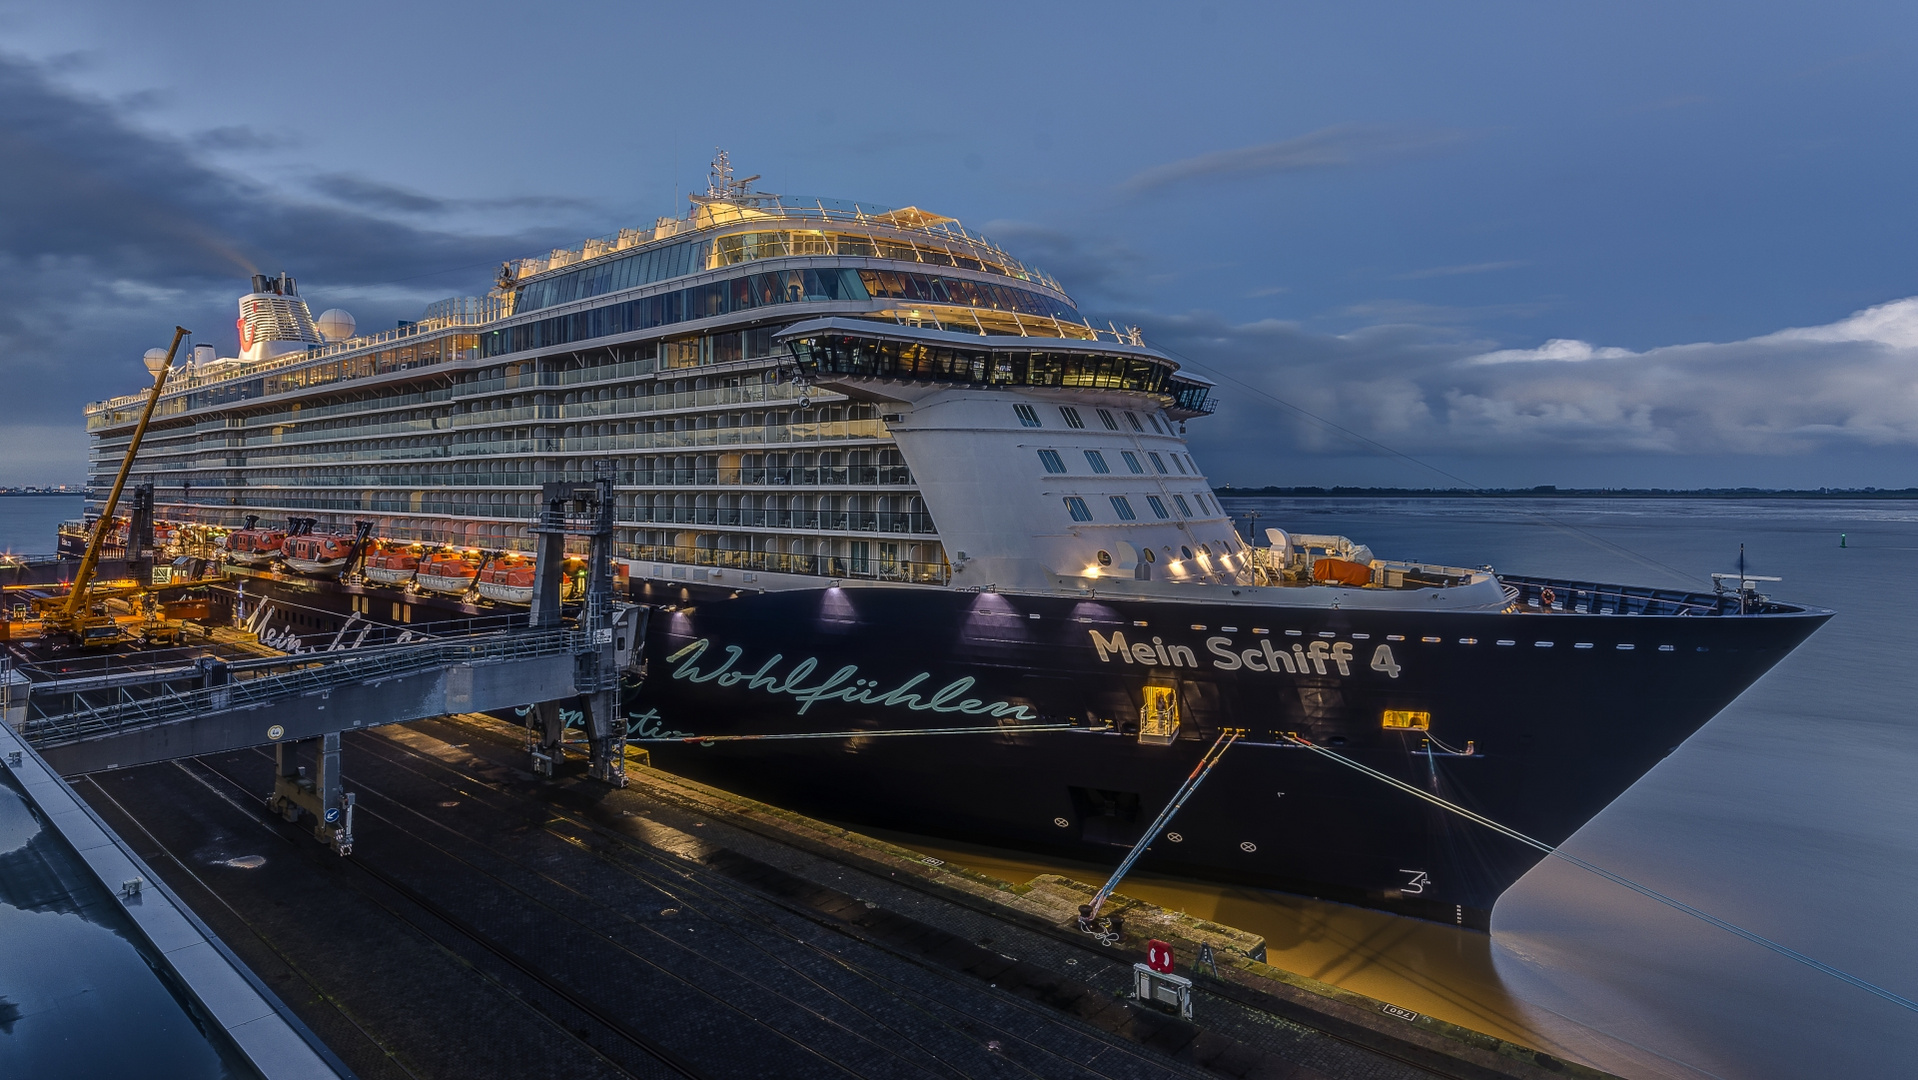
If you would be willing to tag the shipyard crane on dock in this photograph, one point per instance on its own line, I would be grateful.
(73, 616)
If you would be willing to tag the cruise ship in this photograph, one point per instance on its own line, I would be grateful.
(874, 474)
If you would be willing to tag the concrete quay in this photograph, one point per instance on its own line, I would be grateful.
(492, 923)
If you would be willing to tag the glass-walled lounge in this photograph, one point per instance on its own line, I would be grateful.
(837, 352)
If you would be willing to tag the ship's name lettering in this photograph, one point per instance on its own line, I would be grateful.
(1317, 657)
(844, 685)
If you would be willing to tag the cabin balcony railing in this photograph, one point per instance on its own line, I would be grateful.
(873, 566)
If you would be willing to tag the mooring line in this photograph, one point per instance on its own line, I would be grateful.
(993, 729)
(1617, 879)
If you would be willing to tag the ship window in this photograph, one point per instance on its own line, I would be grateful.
(1027, 418)
(1134, 421)
(1050, 459)
(1077, 508)
(1155, 423)
(1176, 465)
(1098, 462)
(1184, 510)
(1123, 508)
(1158, 507)
(1106, 419)
(1132, 461)
(1158, 463)
(1072, 416)
(1185, 551)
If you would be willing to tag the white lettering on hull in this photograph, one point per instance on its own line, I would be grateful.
(843, 685)
(1320, 657)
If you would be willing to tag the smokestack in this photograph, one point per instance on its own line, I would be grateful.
(260, 283)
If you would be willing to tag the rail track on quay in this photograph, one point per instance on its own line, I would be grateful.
(616, 941)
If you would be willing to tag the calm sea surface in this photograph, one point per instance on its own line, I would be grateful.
(27, 522)
(1793, 814)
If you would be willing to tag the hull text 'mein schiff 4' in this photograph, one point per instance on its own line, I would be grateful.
(873, 473)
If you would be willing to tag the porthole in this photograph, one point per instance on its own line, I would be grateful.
(1105, 558)
(1150, 557)
(1207, 548)
(1186, 551)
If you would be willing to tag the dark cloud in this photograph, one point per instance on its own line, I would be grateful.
(111, 234)
(239, 137)
(1089, 267)
(374, 195)
(1327, 148)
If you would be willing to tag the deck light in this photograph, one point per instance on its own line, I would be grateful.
(1407, 720)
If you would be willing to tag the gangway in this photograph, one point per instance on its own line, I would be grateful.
(301, 703)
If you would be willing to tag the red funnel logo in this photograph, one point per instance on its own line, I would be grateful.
(246, 335)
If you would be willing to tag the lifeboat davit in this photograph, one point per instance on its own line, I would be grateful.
(316, 555)
(254, 547)
(508, 578)
(393, 564)
(449, 572)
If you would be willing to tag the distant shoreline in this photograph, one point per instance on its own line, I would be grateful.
(43, 494)
(1565, 493)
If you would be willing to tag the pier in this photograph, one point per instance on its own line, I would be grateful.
(497, 922)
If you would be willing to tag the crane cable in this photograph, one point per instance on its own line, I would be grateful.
(1617, 879)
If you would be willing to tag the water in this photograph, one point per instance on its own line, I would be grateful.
(27, 522)
(79, 996)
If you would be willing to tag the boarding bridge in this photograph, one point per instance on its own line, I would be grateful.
(301, 703)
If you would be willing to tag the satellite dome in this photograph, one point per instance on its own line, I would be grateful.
(154, 359)
(336, 324)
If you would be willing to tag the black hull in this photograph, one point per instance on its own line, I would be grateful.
(1558, 732)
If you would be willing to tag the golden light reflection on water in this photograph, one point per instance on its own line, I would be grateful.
(1438, 970)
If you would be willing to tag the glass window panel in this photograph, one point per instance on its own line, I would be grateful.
(1132, 461)
(1184, 510)
(1098, 462)
(1158, 463)
(1158, 506)
(1027, 417)
(1123, 507)
(1077, 508)
(1051, 460)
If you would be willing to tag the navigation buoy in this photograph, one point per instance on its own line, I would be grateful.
(1841, 539)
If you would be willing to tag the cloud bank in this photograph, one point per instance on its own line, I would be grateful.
(111, 233)
(1847, 386)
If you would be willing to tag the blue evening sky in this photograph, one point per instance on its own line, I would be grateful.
(1617, 244)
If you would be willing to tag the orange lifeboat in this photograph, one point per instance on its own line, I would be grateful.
(508, 578)
(316, 555)
(254, 547)
(450, 572)
(393, 564)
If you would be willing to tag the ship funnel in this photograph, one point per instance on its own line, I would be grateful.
(273, 320)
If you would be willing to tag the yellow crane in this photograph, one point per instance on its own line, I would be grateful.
(72, 616)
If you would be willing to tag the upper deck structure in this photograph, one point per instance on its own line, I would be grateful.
(755, 374)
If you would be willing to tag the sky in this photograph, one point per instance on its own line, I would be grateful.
(1498, 244)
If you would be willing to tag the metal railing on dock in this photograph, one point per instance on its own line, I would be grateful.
(260, 682)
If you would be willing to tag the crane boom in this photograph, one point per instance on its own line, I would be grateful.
(77, 599)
